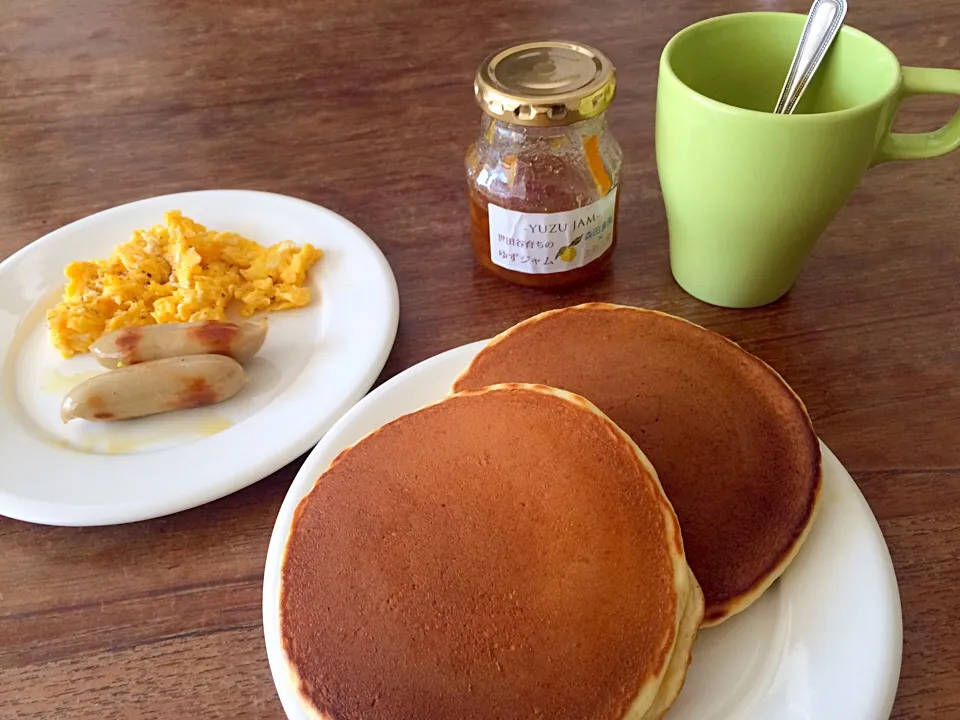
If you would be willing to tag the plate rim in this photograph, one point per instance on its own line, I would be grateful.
(43, 512)
(882, 701)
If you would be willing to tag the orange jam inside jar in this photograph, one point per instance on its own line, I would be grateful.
(543, 175)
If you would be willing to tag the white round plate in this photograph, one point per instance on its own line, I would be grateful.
(823, 643)
(317, 361)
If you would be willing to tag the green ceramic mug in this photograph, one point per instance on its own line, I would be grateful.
(747, 192)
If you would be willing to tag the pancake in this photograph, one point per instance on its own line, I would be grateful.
(731, 442)
(506, 553)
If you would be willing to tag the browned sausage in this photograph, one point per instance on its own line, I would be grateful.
(154, 387)
(133, 345)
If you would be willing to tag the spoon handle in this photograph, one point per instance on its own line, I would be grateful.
(823, 24)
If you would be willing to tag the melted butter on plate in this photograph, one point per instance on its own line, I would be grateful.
(53, 383)
(111, 438)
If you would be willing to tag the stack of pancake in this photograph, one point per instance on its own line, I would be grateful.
(517, 551)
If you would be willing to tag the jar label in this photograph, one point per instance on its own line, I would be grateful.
(543, 243)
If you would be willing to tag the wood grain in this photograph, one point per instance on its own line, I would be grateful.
(365, 106)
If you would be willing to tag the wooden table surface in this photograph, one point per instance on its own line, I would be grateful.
(365, 106)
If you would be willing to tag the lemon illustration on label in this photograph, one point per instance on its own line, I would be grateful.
(568, 253)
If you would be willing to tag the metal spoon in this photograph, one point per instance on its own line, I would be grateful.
(823, 24)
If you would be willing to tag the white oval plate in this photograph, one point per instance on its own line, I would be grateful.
(823, 643)
(317, 361)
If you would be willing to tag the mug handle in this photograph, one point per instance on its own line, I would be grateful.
(911, 146)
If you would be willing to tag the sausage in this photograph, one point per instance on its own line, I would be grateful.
(133, 345)
(154, 387)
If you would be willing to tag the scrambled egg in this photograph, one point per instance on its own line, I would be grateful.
(177, 272)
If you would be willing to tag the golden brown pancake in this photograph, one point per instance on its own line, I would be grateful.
(507, 553)
(731, 442)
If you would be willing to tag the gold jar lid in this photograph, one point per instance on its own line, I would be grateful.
(540, 84)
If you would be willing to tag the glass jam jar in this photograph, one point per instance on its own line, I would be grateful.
(543, 174)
